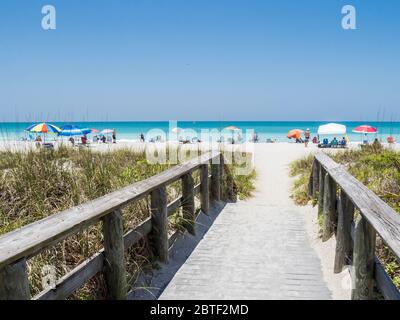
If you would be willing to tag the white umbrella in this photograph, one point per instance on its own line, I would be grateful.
(332, 128)
(107, 131)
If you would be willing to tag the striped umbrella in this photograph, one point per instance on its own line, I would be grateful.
(43, 128)
(71, 130)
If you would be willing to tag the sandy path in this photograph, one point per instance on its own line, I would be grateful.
(262, 248)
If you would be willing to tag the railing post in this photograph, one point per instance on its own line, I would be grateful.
(321, 185)
(114, 260)
(314, 180)
(363, 260)
(329, 207)
(188, 208)
(204, 189)
(343, 235)
(159, 223)
(14, 284)
(215, 180)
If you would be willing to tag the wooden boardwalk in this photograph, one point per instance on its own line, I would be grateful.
(256, 249)
(252, 252)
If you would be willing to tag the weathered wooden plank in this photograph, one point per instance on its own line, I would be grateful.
(204, 189)
(383, 218)
(364, 260)
(216, 181)
(74, 279)
(133, 236)
(173, 206)
(77, 277)
(14, 283)
(314, 181)
(114, 256)
(343, 236)
(385, 283)
(31, 239)
(329, 207)
(159, 218)
(321, 191)
(327, 162)
(188, 207)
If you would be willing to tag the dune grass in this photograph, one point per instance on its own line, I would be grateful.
(34, 185)
(377, 168)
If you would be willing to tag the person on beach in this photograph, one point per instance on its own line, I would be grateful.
(38, 142)
(334, 142)
(307, 137)
(142, 137)
(84, 139)
(315, 140)
(103, 139)
(72, 140)
(114, 136)
(343, 143)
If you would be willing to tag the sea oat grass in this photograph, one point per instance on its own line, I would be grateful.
(376, 167)
(34, 185)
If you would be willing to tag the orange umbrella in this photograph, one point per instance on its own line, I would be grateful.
(295, 134)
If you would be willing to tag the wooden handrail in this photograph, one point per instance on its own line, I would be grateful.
(355, 236)
(23, 243)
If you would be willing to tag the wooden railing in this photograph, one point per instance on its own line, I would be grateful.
(358, 215)
(18, 246)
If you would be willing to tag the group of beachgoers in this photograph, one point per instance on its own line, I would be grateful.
(82, 141)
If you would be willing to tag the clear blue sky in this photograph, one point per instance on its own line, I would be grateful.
(199, 60)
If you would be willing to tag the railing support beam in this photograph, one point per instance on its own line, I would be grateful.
(215, 181)
(114, 262)
(188, 208)
(364, 260)
(321, 186)
(14, 284)
(159, 223)
(343, 236)
(204, 189)
(329, 207)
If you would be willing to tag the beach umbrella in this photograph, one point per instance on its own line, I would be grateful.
(332, 128)
(71, 130)
(295, 134)
(107, 131)
(43, 128)
(232, 128)
(365, 129)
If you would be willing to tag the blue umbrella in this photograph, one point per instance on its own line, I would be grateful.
(71, 130)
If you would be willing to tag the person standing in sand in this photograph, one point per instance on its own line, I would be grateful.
(307, 137)
(114, 136)
(38, 142)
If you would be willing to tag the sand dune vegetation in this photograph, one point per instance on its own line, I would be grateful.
(34, 185)
(376, 167)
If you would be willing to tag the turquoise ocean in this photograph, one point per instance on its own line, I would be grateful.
(276, 130)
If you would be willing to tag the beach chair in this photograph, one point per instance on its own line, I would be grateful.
(325, 144)
(48, 146)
